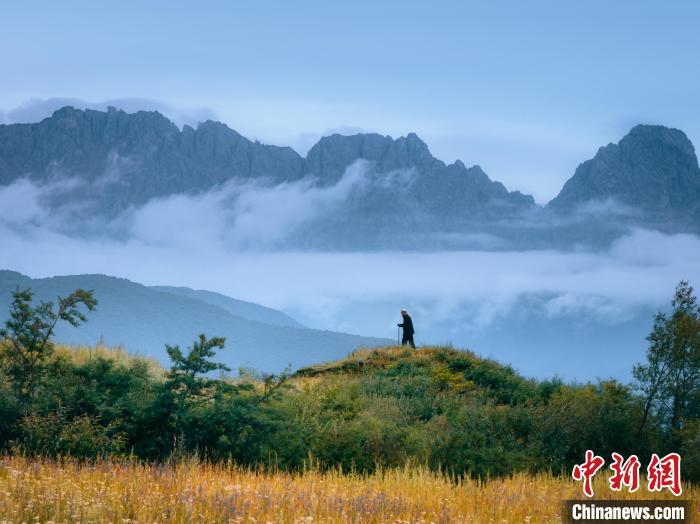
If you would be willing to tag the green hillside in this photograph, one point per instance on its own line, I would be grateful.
(456, 411)
(445, 408)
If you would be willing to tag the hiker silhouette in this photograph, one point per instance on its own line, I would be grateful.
(408, 330)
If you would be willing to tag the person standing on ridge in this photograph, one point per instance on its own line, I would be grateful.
(408, 331)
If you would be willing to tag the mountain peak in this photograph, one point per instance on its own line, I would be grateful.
(656, 135)
(653, 169)
(332, 154)
(413, 138)
(65, 111)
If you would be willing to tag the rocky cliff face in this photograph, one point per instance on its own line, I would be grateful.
(140, 155)
(126, 159)
(435, 188)
(332, 154)
(653, 172)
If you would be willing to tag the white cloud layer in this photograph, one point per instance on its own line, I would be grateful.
(196, 241)
(222, 241)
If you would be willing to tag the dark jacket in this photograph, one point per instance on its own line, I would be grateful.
(407, 326)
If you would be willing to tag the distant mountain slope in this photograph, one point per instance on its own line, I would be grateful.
(653, 171)
(240, 308)
(145, 319)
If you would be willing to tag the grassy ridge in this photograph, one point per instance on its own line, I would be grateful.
(440, 408)
(455, 411)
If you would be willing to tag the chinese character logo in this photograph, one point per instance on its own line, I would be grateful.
(626, 473)
(586, 471)
(662, 473)
(665, 473)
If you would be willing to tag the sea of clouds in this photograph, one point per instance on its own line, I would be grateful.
(497, 302)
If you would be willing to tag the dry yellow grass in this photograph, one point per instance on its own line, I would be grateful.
(51, 491)
(83, 354)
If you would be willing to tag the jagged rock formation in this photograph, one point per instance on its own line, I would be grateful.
(101, 163)
(652, 173)
(140, 155)
(154, 158)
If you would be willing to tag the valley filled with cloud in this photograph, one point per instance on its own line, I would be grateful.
(545, 311)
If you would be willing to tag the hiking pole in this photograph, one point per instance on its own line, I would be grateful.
(398, 329)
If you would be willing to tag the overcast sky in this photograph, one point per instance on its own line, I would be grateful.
(528, 90)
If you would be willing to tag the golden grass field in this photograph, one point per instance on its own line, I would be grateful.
(51, 491)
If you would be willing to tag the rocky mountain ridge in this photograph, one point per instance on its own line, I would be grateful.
(118, 161)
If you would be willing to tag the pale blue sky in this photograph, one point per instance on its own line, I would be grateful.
(527, 90)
